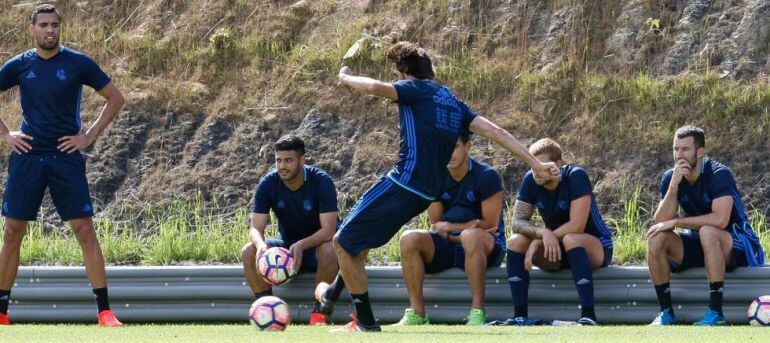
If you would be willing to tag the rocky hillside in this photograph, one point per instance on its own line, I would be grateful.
(212, 83)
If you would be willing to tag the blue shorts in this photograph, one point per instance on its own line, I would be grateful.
(451, 255)
(693, 254)
(63, 174)
(309, 260)
(378, 216)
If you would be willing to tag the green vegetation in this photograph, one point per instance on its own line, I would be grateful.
(433, 333)
(187, 230)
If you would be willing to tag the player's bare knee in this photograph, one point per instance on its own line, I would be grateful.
(412, 240)
(518, 243)
(709, 236)
(249, 254)
(657, 243)
(473, 239)
(572, 240)
(326, 254)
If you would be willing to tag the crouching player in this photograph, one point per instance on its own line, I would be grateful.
(575, 235)
(304, 201)
(719, 236)
(468, 233)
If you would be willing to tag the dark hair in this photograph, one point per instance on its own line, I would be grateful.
(44, 8)
(411, 59)
(465, 136)
(290, 143)
(697, 134)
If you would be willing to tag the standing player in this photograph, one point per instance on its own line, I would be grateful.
(431, 120)
(575, 235)
(304, 201)
(719, 235)
(468, 233)
(46, 151)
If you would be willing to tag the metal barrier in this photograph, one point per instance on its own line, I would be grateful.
(220, 294)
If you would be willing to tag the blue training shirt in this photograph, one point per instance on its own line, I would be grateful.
(297, 211)
(716, 180)
(431, 120)
(50, 92)
(462, 200)
(554, 206)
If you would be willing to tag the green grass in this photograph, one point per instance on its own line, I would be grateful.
(434, 333)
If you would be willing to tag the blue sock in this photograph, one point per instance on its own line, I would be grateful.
(518, 278)
(584, 280)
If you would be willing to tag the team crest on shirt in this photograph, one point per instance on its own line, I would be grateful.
(540, 204)
(471, 196)
(446, 196)
(280, 204)
(61, 74)
(684, 198)
(307, 205)
(563, 204)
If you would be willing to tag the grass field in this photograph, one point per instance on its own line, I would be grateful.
(435, 333)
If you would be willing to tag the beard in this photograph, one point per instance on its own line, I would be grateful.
(45, 45)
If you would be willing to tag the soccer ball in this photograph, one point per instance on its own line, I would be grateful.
(270, 313)
(759, 311)
(276, 265)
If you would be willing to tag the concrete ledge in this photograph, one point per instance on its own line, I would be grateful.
(219, 293)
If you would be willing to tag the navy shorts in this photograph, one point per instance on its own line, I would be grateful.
(451, 255)
(309, 260)
(608, 251)
(693, 254)
(378, 216)
(63, 174)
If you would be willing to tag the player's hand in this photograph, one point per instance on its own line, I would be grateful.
(344, 71)
(667, 225)
(682, 169)
(442, 229)
(297, 249)
(260, 249)
(529, 255)
(551, 246)
(546, 171)
(74, 143)
(17, 140)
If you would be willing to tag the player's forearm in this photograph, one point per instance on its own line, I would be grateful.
(362, 83)
(486, 128)
(568, 228)
(712, 219)
(667, 209)
(525, 228)
(319, 237)
(108, 113)
(256, 236)
(457, 226)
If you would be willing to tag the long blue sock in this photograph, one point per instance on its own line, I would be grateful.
(518, 279)
(584, 280)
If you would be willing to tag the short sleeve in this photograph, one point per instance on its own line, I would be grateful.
(468, 114)
(327, 194)
(664, 182)
(8, 77)
(407, 91)
(722, 183)
(263, 197)
(579, 184)
(92, 75)
(528, 189)
(489, 184)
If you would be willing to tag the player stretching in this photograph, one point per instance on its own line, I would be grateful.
(431, 120)
(719, 236)
(304, 201)
(46, 151)
(575, 235)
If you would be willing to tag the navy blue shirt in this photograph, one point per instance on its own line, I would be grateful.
(554, 206)
(297, 211)
(462, 200)
(50, 93)
(715, 180)
(431, 119)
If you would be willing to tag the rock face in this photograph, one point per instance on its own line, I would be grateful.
(212, 133)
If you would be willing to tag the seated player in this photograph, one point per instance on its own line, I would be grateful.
(467, 233)
(718, 234)
(575, 235)
(304, 201)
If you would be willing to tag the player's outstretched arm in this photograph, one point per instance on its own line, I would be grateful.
(115, 102)
(482, 126)
(367, 85)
